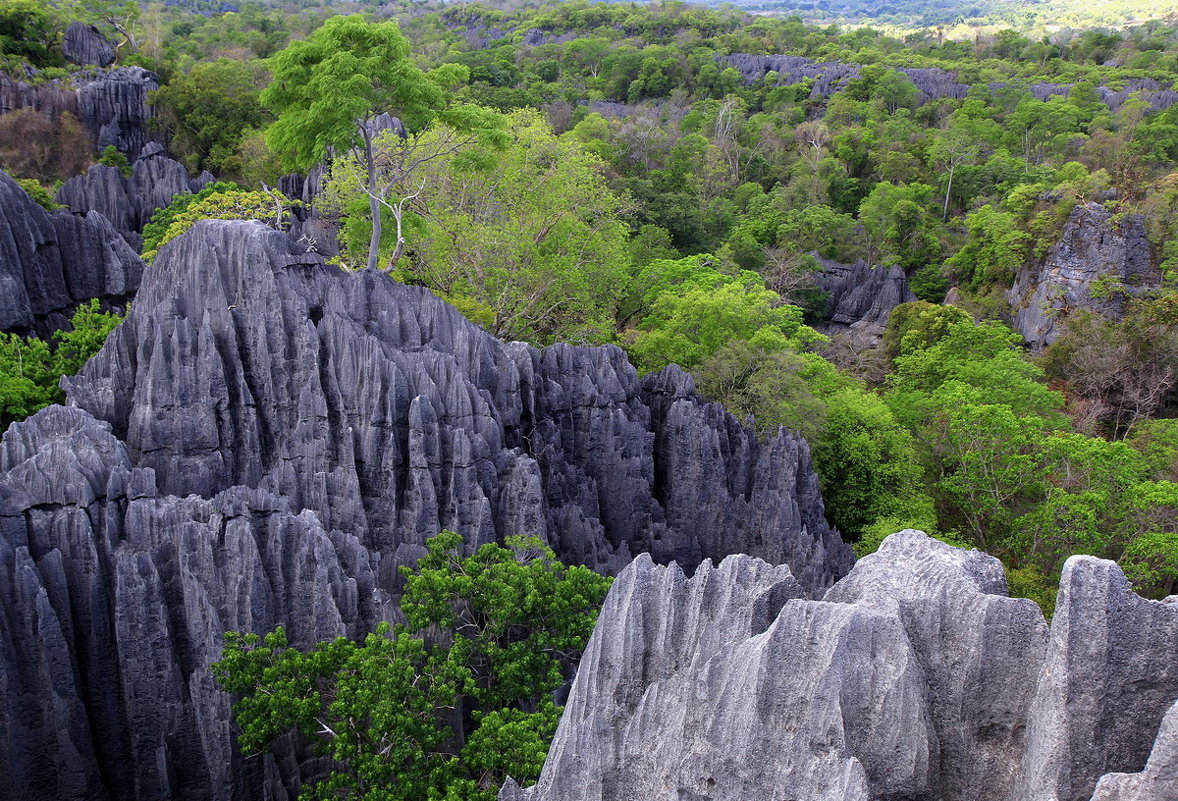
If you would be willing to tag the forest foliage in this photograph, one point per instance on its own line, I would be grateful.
(626, 173)
(444, 706)
(606, 173)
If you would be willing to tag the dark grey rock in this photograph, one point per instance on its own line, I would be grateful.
(914, 678)
(86, 46)
(111, 103)
(266, 438)
(50, 262)
(861, 298)
(129, 202)
(1094, 247)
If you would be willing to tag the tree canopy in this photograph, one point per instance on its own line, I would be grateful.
(403, 716)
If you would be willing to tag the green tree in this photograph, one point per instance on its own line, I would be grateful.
(687, 325)
(29, 32)
(329, 92)
(111, 156)
(900, 228)
(206, 110)
(118, 16)
(994, 251)
(402, 717)
(30, 367)
(533, 247)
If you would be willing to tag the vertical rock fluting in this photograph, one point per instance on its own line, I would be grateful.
(50, 262)
(1097, 264)
(86, 46)
(111, 103)
(128, 202)
(1110, 676)
(914, 678)
(264, 440)
(860, 298)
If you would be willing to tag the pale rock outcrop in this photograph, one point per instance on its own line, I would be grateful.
(915, 677)
(1158, 781)
(931, 83)
(1111, 673)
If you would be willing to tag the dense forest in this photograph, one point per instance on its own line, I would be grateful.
(946, 256)
(674, 179)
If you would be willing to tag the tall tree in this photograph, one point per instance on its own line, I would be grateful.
(330, 93)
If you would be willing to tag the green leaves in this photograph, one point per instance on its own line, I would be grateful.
(693, 319)
(403, 718)
(30, 368)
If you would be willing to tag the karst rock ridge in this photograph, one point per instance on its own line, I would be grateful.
(263, 441)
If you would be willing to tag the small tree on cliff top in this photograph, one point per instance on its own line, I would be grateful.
(329, 91)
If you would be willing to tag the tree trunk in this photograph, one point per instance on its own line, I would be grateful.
(373, 204)
(948, 189)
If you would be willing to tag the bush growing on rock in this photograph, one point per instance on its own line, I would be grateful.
(221, 204)
(445, 707)
(30, 368)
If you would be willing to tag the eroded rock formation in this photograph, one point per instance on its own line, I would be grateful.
(264, 440)
(1099, 262)
(129, 202)
(111, 103)
(860, 299)
(914, 678)
(86, 46)
(933, 83)
(50, 262)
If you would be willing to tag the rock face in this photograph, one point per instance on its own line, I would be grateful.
(50, 262)
(129, 202)
(1111, 673)
(933, 83)
(1097, 263)
(111, 103)
(914, 678)
(861, 297)
(1158, 781)
(85, 46)
(264, 440)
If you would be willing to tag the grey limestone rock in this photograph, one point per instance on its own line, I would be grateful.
(915, 677)
(909, 680)
(85, 45)
(933, 83)
(50, 262)
(1158, 781)
(265, 439)
(111, 103)
(1093, 249)
(1110, 675)
(861, 298)
(129, 202)
(121, 597)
